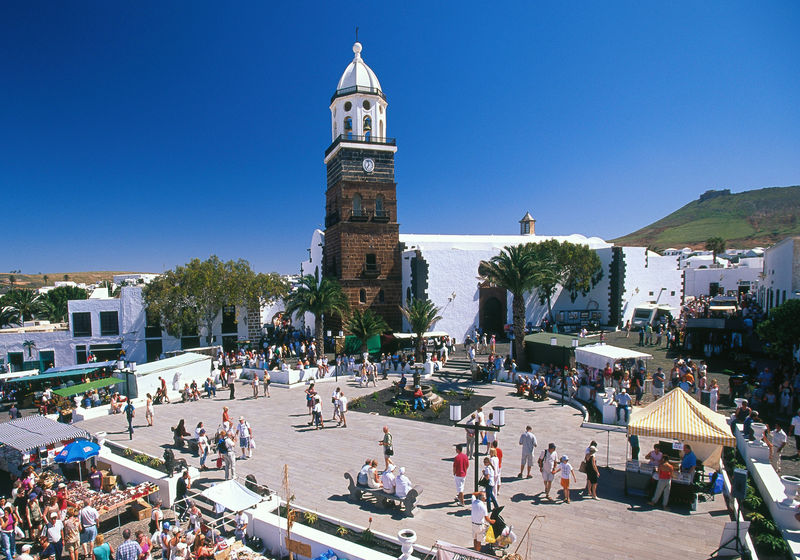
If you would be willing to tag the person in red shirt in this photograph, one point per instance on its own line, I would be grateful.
(460, 466)
(665, 470)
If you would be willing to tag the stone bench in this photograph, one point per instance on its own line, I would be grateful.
(357, 494)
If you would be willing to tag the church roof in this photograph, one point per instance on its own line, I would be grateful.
(358, 77)
(492, 242)
(527, 218)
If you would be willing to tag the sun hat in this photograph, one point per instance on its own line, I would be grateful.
(564, 458)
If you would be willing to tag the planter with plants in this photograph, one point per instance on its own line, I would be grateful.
(767, 538)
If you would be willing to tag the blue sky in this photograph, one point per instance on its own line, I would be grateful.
(136, 136)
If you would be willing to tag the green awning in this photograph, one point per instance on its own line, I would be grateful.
(83, 387)
(43, 376)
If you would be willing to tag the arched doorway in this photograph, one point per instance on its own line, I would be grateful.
(493, 311)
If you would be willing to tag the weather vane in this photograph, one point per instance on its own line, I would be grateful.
(356, 34)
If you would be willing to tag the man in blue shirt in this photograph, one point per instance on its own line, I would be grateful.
(128, 550)
(689, 461)
(623, 403)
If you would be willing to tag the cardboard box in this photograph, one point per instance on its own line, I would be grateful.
(109, 483)
(141, 509)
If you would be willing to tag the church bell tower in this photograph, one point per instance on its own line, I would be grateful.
(362, 244)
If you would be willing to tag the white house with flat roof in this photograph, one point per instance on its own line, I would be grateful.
(781, 276)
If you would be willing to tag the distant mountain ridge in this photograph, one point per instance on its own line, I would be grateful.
(756, 218)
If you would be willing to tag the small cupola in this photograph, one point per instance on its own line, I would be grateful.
(527, 225)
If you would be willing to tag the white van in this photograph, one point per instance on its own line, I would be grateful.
(650, 314)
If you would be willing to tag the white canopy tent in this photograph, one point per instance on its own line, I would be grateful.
(598, 355)
(408, 336)
(232, 496)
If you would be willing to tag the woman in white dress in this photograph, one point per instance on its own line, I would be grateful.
(714, 397)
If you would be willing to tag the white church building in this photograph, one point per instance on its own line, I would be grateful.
(444, 268)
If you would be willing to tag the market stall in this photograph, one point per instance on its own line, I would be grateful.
(598, 355)
(33, 440)
(679, 418)
(109, 502)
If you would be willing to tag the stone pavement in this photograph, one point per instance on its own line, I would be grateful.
(613, 527)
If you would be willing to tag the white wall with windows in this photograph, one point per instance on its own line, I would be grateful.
(781, 273)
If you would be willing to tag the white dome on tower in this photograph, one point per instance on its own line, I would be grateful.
(357, 75)
(358, 107)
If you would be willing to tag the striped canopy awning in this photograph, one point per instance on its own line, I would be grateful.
(34, 431)
(678, 416)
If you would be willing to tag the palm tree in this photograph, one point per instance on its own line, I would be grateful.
(513, 270)
(364, 325)
(8, 316)
(26, 303)
(715, 245)
(320, 299)
(30, 346)
(45, 278)
(421, 314)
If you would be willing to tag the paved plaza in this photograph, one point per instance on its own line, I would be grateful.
(613, 527)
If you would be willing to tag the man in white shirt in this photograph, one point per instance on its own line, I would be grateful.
(471, 436)
(244, 433)
(480, 518)
(776, 441)
(342, 404)
(89, 517)
(548, 462)
(335, 403)
(388, 480)
(241, 526)
(528, 442)
(402, 484)
(795, 431)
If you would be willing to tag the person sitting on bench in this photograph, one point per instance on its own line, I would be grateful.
(402, 484)
(363, 475)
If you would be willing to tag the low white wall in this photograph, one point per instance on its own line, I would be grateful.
(272, 530)
(768, 482)
(176, 378)
(133, 472)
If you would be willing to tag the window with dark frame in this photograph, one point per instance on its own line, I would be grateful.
(82, 324)
(362, 296)
(109, 323)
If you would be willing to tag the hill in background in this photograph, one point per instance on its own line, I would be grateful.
(749, 219)
(37, 280)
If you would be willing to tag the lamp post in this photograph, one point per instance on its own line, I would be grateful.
(477, 429)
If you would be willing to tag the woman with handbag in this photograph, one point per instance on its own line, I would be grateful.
(388, 448)
(592, 472)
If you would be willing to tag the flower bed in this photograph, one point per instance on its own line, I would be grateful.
(382, 402)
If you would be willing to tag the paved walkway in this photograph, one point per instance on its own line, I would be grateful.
(613, 527)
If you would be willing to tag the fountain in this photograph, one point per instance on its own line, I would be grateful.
(427, 393)
(790, 485)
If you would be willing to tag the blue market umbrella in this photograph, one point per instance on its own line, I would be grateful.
(76, 452)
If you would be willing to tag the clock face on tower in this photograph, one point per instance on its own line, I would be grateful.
(368, 164)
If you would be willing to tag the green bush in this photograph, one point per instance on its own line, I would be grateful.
(772, 544)
(366, 537)
(439, 408)
(356, 403)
